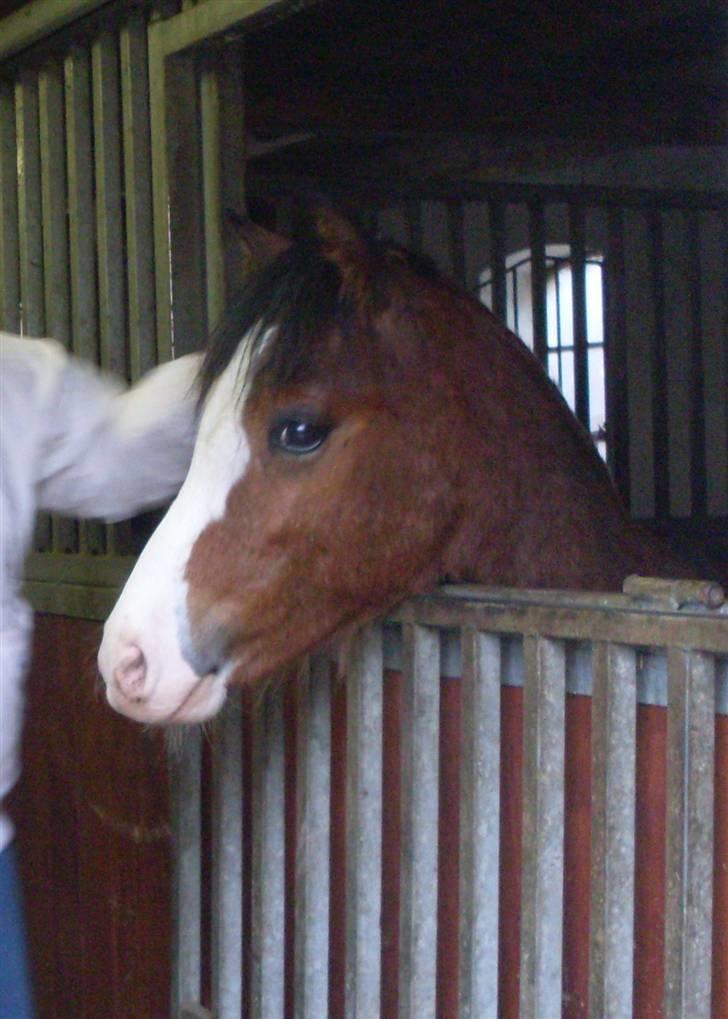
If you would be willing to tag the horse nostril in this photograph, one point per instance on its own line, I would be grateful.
(130, 674)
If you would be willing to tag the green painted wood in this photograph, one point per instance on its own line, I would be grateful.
(9, 237)
(138, 196)
(36, 20)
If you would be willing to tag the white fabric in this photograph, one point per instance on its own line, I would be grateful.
(74, 442)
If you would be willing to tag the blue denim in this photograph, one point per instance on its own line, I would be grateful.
(15, 994)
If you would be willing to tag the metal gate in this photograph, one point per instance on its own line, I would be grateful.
(317, 917)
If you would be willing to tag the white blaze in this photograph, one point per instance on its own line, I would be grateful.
(152, 606)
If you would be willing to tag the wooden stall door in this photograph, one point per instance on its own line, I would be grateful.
(93, 839)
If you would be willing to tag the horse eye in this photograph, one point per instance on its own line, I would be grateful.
(298, 435)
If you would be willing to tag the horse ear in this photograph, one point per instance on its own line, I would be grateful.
(340, 239)
(261, 246)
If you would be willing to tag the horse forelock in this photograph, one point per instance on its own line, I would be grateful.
(287, 310)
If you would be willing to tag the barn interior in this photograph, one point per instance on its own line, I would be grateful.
(496, 137)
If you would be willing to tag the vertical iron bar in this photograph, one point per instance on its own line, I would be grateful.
(9, 234)
(420, 785)
(140, 284)
(479, 824)
(269, 850)
(660, 438)
(158, 98)
(456, 238)
(689, 855)
(184, 770)
(543, 828)
(537, 240)
(211, 131)
(497, 212)
(577, 243)
(311, 977)
(615, 354)
(364, 826)
(614, 717)
(698, 479)
(413, 217)
(227, 869)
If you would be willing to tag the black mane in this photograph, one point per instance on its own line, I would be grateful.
(300, 294)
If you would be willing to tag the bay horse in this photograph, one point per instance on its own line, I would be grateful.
(368, 431)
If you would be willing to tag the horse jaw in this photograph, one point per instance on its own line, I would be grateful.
(141, 656)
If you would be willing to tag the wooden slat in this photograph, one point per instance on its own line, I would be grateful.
(614, 715)
(185, 779)
(227, 867)
(106, 91)
(689, 857)
(137, 196)
(543, 828)
(311, 973)
(29, 205)
(364, 826)
(9, 235)
(420, 786)
(269, 847)
(479, 825)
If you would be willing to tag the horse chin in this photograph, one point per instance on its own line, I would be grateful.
(200, 703)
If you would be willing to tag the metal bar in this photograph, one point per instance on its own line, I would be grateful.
(9, 235)
(311, 964)
(106, 94)
(511, 192)
(413, 219)
(614, 716)
(184, 767)
(660, 437)
(210, 132)
(537, 241)
(269, 850)
(364, 826)
(698, 474)
(577, 243)
(456, 238)
(689, 856)
(420, 787)
(29, 205)
(140, 284)
(497, 212)
(479, 824)
(543, 828)
(38, 19)
(615, 353)
(227, 867)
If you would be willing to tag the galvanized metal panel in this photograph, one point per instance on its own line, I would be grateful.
(614, 716)
(311, 964)
(364, 826)
(269, 850)
(480, 824)
(185, 778)
(227, 863)
(543, 828)
(420, 791)
(689, 857)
